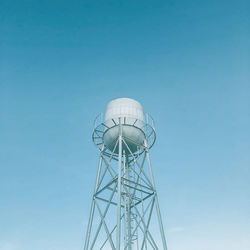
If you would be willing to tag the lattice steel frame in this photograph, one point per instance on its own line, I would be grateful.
(134, 198)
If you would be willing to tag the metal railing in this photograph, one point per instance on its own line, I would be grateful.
(101, 126)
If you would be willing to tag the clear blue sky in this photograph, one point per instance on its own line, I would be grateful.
(187, 62)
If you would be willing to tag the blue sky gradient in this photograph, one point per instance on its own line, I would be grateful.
(187, 62)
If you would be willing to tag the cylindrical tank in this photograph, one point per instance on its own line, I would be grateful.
(132, 118)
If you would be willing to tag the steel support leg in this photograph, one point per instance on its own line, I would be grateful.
(164, 243)
(92, 210)
(118, 232)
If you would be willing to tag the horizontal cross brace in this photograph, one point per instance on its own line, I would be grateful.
(138, 184)
(111, 202)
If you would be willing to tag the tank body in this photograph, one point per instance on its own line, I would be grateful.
(132, 119)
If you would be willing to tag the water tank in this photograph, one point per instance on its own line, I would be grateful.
(132, 119)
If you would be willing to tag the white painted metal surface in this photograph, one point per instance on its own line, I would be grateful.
(125, 195)
(124, 107)
(130, 114)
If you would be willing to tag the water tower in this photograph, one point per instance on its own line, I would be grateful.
(125, 205)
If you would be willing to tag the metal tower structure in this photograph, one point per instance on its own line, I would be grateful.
(125, 200)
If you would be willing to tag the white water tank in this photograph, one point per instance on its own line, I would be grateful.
(132, 119)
